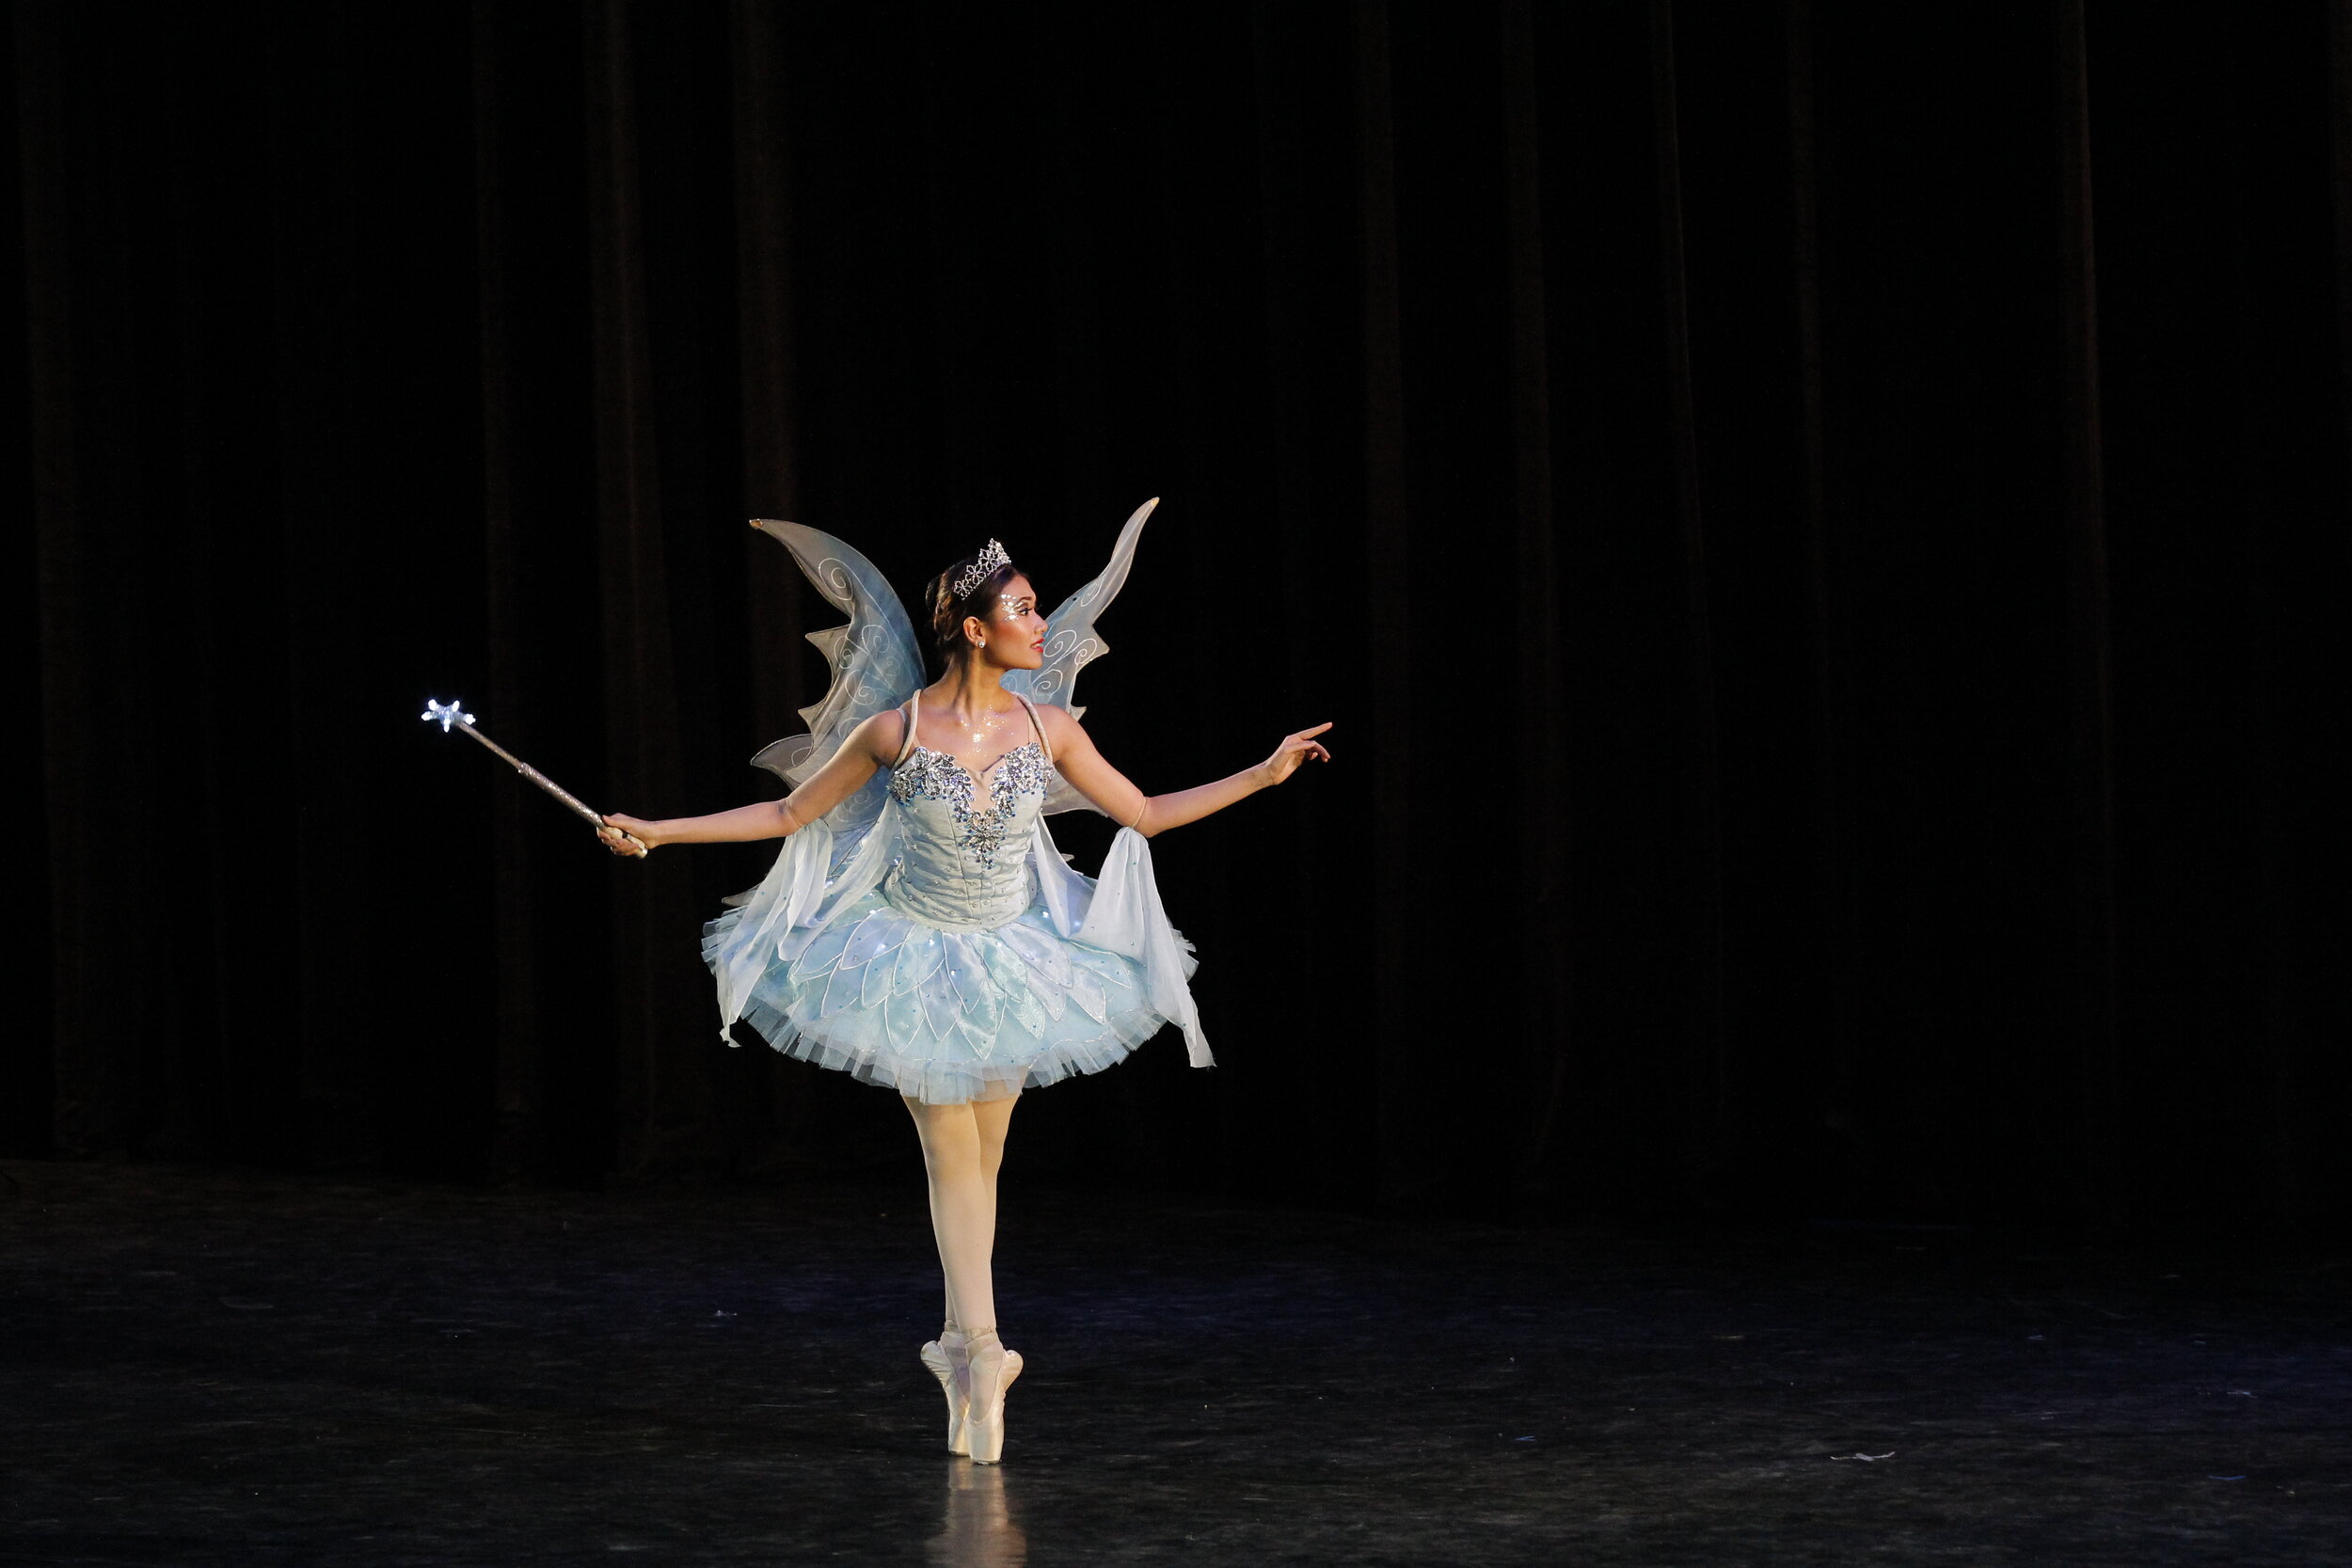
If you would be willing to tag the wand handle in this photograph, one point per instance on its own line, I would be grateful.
(580, 807)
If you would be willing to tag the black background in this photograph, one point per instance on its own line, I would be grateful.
(1821, 527)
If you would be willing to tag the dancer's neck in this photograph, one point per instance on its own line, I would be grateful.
(970, 687)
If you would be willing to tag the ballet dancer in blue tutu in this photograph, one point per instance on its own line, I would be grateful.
(919, 929)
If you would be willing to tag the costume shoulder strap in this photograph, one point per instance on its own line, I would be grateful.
(906, 747)
(1042, 744)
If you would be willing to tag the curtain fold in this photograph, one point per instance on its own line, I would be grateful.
(1391, 669)
(2089, 652)
(1707, 1072)
(665, 1107)
(519, 1142)
(1549, 1020)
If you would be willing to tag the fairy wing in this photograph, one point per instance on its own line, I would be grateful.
(874, 661)
(1072, 643)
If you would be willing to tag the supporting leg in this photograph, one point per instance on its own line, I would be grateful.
(963, 1148)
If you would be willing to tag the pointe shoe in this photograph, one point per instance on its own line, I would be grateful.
(945, 1363)
(989, 1371)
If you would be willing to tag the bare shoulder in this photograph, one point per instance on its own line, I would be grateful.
(881, 735)
(1061, 729)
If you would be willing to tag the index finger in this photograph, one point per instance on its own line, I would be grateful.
(1309, 734)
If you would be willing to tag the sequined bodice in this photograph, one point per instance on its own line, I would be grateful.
(962, 865)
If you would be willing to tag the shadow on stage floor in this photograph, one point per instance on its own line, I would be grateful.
(206, 1368)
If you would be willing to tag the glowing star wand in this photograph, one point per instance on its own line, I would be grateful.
(451, 716)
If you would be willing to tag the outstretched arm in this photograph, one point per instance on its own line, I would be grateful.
(868, 747)
(1076, 759)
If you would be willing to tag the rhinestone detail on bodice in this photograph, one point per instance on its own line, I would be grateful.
(930, 775)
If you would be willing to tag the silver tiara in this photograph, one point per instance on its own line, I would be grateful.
(982, 569)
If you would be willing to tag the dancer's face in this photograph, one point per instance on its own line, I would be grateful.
(1013, 634)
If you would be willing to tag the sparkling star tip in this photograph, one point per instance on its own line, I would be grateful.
(447, 713)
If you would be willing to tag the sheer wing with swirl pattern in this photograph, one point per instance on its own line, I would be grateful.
(875, 661)
(1072, 643)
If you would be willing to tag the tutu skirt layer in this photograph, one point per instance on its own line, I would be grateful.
(949, 1016)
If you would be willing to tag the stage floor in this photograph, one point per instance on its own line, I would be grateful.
(206, 1368)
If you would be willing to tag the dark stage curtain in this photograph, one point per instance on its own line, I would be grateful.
(1822, 526)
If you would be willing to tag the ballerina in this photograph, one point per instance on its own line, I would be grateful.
(919, 929)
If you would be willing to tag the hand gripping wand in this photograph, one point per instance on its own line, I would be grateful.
(450, 716)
